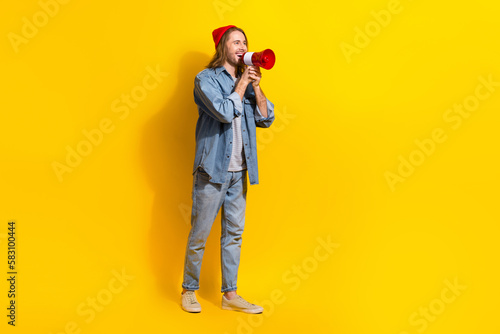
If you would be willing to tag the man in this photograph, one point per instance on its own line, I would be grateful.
(231, 104)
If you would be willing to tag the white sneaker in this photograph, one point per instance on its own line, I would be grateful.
(240, 304)
(189, 302)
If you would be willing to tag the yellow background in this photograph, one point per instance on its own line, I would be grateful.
(341, 125)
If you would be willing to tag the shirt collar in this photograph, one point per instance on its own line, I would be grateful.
(220, 69)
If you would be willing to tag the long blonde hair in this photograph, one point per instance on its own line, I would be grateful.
(220, 55)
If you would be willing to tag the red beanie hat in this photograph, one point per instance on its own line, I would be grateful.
(217, 34)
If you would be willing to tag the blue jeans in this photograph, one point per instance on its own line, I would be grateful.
(208, 198)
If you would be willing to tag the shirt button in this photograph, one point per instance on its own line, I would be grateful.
(228, 156)
(243, 130)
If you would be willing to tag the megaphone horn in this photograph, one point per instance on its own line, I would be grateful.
(264, 59)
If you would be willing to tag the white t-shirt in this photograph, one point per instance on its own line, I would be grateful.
(237, 161)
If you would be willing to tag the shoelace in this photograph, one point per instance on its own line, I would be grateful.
(191, 298)
(244, 301)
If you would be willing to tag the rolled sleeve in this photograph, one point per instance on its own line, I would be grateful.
(261, 121)
(238, 106)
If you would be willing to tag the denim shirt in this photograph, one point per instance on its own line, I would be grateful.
(218, 104)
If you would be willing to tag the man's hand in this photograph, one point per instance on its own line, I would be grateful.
(255, 75)
(250, 75)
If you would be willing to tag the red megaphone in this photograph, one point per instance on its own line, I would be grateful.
(264, 59)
